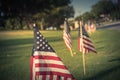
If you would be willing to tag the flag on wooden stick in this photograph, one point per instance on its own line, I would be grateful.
(44, 63)
(85, 45)
(67, 37)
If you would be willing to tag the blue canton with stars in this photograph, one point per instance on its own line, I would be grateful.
(40, 43)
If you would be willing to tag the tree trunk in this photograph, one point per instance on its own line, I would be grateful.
(21, 22)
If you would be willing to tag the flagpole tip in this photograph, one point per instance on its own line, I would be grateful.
(34, 24)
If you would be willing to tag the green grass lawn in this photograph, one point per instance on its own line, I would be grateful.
(16, 48)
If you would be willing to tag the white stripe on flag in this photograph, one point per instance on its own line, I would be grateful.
(86, 37)
(62, 78)
(40, 77)
(69, 79)
(48, 77)
(54, 77)
(44, 53)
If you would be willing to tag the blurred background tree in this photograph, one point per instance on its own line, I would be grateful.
(25, 12)
(104, 10)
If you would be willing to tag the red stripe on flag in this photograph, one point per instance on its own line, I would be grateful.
(43, 77)
(65, 78)
(51, 77)
(58, 78)
(53, 73)
(31, 67)
(87, 43)
(47, 57)
(90, 49)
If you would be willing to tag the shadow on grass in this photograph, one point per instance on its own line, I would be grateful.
(13, 56)
(117, 59)
(15, 42)
(103, 74)
(10, 42)
(9, 47)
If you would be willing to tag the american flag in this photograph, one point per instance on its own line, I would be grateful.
(66, 35)
(44, 63)
(85, 45)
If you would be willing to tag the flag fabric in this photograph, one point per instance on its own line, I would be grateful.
(66, 35)
(44, 63)
(85, 45)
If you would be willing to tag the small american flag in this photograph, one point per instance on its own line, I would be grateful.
(44, 63)
(66, 35)
(85, 45)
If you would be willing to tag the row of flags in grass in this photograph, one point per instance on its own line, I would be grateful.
(84, 43)
(45, 64)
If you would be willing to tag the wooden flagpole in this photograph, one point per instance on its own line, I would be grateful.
(71, 52)
(84, 69)
(83, 54)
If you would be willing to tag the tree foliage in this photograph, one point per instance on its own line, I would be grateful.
(23, 7)
(103, 9)
(88, 16)
(27, 11)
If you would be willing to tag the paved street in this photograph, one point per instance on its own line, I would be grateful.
(114, 26)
